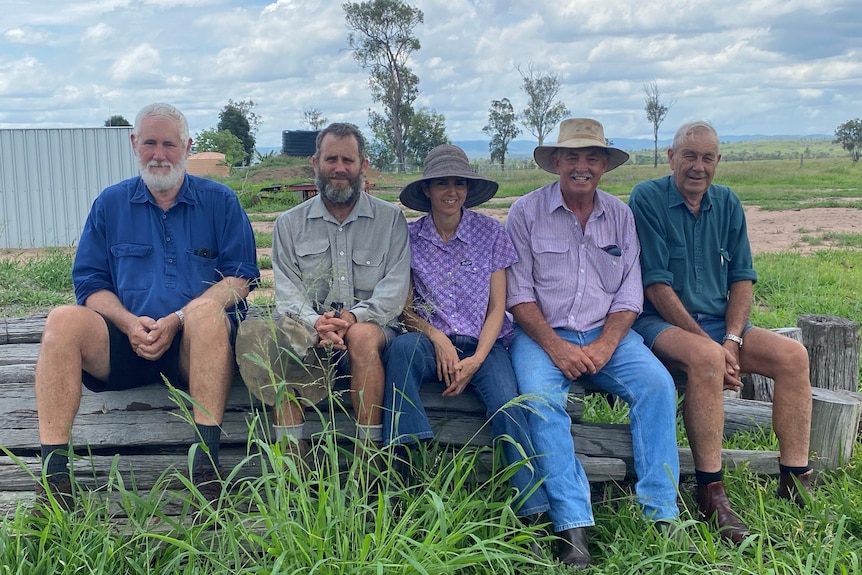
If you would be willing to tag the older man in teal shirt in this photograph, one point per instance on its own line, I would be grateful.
(698, 276)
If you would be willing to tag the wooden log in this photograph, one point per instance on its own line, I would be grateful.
(22, 329)
(19, 353)
(760, 387)
(746, 415)
(833, 351)
(835, 418)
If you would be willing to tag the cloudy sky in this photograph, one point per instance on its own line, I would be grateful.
(749, 66)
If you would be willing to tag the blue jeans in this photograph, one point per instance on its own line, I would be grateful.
(633, 374)
(410, 361)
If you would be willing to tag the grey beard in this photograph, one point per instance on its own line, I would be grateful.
(335, 195)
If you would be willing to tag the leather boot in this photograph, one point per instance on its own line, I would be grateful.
(713, 505)
(796, 488)
(572, 547)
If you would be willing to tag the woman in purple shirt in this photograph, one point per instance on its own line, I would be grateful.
(458, 328)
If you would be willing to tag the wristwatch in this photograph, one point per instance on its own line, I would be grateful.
(733, 338)
(179, 313)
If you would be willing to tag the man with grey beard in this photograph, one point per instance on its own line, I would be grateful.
(162, 270)
(342, 274)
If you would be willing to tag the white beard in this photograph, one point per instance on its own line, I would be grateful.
(162, 182)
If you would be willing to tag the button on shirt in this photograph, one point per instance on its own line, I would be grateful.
(574, 276)
(156, 261)
(699, 257)
(452, 280)
(363, 262)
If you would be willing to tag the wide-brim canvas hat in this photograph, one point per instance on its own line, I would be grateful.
(443, 162)
(579, 133)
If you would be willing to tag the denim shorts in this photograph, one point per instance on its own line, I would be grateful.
(651, 326)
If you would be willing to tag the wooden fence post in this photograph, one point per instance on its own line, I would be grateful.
(833, 351)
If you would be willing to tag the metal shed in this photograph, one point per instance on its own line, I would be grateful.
(50, 177)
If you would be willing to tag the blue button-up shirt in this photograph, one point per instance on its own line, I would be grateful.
(157, 261)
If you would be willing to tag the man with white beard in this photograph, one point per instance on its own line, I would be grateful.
(342, 273)
(162, 270)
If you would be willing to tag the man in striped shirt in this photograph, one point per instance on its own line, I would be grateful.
(574, 293)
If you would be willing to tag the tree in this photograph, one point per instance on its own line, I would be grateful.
(427, 130)
(382, 41)
(233, 119)
(502, 129)
(655, 113)
(220, 141)
(312, 118)
(542, 113)
(117, 120)
(849, 135)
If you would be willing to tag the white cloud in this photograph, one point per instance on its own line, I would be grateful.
(753, 66)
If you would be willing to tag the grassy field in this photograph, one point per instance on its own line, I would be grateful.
(449, 520)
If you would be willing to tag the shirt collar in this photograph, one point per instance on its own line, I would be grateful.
(675, 199)
(428, 231)
(361, 209)
(556, 202)
(142, 193)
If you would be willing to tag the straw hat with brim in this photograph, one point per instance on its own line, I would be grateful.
(579, 133)
(443, 162)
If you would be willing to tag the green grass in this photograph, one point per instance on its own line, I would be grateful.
(38, 283)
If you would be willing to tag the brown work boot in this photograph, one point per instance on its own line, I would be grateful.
(59, 491)
(572, 548)
(796, 488)
(208, 482)
(714, 506)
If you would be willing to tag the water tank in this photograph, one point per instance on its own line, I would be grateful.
(299, 143)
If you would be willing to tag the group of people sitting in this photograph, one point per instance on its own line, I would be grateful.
(577, 285)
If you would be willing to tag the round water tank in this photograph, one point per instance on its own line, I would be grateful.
(299, 143)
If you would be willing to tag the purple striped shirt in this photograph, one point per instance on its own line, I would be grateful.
(452, 280)
(572, 274)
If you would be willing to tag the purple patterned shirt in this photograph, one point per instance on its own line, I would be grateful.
(452, 280)
(576, 277)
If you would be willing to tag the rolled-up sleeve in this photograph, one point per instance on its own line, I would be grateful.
(519, 276)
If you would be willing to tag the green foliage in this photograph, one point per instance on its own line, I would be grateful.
(263, 239)
(542, 112)
(382, 40)
(117, 120)
(30, 284)
(222, 141)
(234, 118)
(849, 135)
(426, 130)
(502, 129)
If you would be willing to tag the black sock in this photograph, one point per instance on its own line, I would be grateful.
(787, 470)
(210, 435)
(705, 478)
(55, 459)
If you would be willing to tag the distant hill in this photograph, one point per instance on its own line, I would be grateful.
(477, 149)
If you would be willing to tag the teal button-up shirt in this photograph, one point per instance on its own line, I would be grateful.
(699, 257)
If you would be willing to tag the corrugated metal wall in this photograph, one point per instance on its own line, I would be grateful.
(50, 177)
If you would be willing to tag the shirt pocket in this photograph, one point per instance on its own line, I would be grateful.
(201, 274)
(609, 268)
(314, 262)
(367, 270)
(551, 261)
(134, 271)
